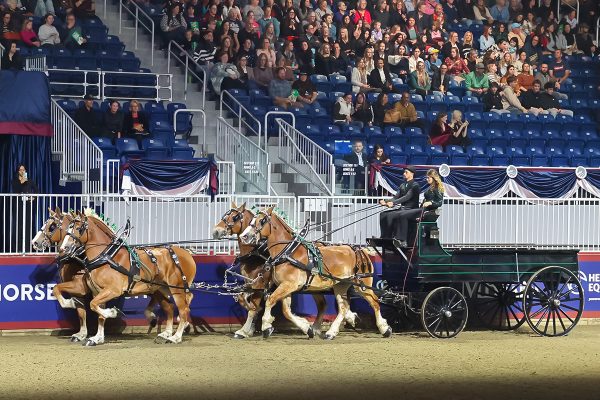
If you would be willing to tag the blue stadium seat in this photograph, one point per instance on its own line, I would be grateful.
(480, 159)
(155, 149)
(312, 131)
(539, 160)
(128, 147)
(181, 150)
(520, 160)
(413, 149)
(454, 149)
(576, 161)
(459, 159)
(434, 148)
(413, 131)
(399, 159)
(322, 83)
(560, 161)
(519, 142)
(420, 140)
(401, 140)
(500, 160)
(109, 151)
(438, 159)
(395, 149)
(419, 159)
(390, 131)
(373, 132)
(499, 142)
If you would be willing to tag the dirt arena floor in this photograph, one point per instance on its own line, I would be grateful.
(475, 365)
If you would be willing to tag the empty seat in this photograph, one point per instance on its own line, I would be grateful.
(181, 150)
(127, 147)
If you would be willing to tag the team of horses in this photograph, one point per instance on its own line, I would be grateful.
(274, 261)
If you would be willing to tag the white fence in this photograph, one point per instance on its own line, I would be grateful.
(306, 158)
(80, 158)
(500, 223)
(253, 170)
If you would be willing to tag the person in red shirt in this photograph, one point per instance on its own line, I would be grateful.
(361, 13)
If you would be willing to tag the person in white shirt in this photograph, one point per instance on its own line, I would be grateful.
(47, 33)
(414, 60)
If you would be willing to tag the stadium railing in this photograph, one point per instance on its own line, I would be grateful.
(192, 70)
(252, 165)
(306, 157)
(135, 11)
(244, 119)
(182, 124)
(162, 86)
(80, 158)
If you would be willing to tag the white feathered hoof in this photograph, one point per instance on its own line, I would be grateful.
(160, 340)
(76, 339)
(329, 336)
(238, 336)
(310, 332)
(266, 333)
(90, 343)
(173, 340)
(388, 332)
(188, 328)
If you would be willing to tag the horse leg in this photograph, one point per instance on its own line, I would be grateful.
(283, 290)
(373, 301)
(76, 288)
(321, 307)
(149, 312)
(167, 307)
(96, 304)
(184, 313)
(286, 308)
(350, 317)
(340, 292)
(253, 307)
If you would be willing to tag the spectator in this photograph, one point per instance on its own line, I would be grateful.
(205, 52)
(525, 78)
(414, 60)
(249, 31)
(533, 49)
(342, 11)
(363, 112)
(324, 62)
(477, 82)
(28, 36)
(569, 35)
(412, 32)
(84, 9)
(193, 21)
(112, 121)
(379, 109)
(505, 63)
(359, 77)
(311, 37)
(403, 113)
(486, 40)
(472, 60)
(515, 9)
(135, 124)
(47, 33)
(529, 23)
(11, 58)
(482, 13)
(380, 77)
(291, 26)
(243, 71)
(511, 71)
(492, 73)
(459, 129)
(549, 103)
(492, 100)
(378, 156)
(522, 59)
(85, 117)
(466, 12)
(227, 47)
(247, 50)
(381, 14)
(307, 92)
(499, 11)
(511, 102)
(254, 7)
(517, 33)
(262, 74)
(25, 208)
(224, 75)
(440, 82)
(449, 45)
(559, 69)
(556, 40)
(585, 41)
(43, 7)
(436, 37)
(343, 110)
(361, 13)
(340, 61)
(358, 158)
(456, 65)
(441, 133)
(265, 48)
(280, 91)
(423, 20)
(500, 33)
(289, 55)
(543, 75)
(304, 56)
(173, 25)
(433, 63)
(73, 38)
(322, 9)
(531, 98)
(419, 80)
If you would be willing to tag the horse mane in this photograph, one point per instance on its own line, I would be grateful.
(287, 227)
(102, 226)
(90, 212)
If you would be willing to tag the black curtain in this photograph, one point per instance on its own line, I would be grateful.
(34, 152)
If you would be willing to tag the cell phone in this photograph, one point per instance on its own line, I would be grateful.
(25, 175)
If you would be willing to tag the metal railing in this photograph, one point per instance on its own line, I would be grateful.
(193, 70)
(162, 90)
(80, 158)
(187, 134)
(598, 31)
(1, 54)
(85, 79)
(241, 115)
(306, 157)
(253, 170)
(560, 3)
(147, 24)
(112, 177)
(490, 223)
(266, 124)
(35, 63)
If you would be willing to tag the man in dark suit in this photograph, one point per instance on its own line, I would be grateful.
(440, 79)
(422, 20)
(358, 159)
(380, 77)
(407, 197)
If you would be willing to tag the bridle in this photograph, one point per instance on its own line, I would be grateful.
(264, 221)
(81, 230)
(235, 219)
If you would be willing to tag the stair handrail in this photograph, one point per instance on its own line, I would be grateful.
(241, 114)
(251, 162)
(193, 110)
(77, 153)
(188, 62)
(266, 125)
(296, 149)
(136, 15)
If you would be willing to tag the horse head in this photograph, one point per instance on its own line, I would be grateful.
(233, 221)
(53, 231)
(77, 234)
(260, 227)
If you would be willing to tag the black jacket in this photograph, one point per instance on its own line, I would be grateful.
(408, 195)
(375, 79)
(547, 101)
(492, 101)
(529, 99)
(436, 81)
(128, 124)
(87, 121)
(352, 158)
(435, 197)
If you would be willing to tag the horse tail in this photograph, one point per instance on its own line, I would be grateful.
(363, 261)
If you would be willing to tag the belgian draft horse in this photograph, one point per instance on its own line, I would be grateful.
(340, 266)
(173, 268)
(234, 222)
(72, 272)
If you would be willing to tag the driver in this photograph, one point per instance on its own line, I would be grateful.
(407, 197)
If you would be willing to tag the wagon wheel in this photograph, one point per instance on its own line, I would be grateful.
(444, 312)
(499, 306)
(553, 301)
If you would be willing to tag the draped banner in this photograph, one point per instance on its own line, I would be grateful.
(170, 178)
(494, 182)
(24, 103)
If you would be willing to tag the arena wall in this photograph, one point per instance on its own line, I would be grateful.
(26, 301)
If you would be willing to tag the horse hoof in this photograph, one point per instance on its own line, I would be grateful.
(328, 337)
(89, 343)
(75, 339)
(268, 332)
(188, 328)
(160, 340)
(387, 333)
(239, 337)
(153, 323)
(120, 314)
(310, 333)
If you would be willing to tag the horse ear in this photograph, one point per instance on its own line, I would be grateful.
(51, 212)
(270, 210)
(233, 205)
(58, 210)
(243, 207)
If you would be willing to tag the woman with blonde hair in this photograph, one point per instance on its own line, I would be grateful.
(360, 77)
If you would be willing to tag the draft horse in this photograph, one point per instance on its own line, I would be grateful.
(113, 270)
(251, 261)
(72, 271)
(293, 263)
